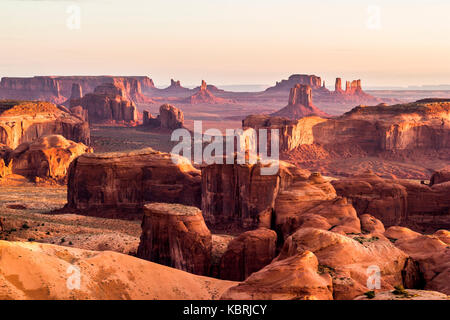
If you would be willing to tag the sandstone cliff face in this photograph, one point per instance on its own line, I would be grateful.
(46, 158)
(238, 197)
(415, 132)
(25, 121)
(398, 202)
(176, 236)
(118, 184)
(108, 105)
(58, 89)
(248, 253)
(300, 104)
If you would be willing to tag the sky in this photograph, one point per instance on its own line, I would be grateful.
(403, 42)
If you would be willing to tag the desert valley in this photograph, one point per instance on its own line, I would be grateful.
(358, 209)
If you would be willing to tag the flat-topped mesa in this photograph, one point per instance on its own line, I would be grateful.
(247, 200)
(299, 104)
(117, 185)
(313, 81)
(107, 104)
(25, 121)
(176, 236)
(58, 89)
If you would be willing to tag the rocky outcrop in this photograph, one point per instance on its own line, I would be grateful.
(248, 253)
(430, 251)
(296, 278)
(47, 158)
(313, 203)
(203, 95)
(440, 177)
(398, 202)
(176, 236)
(119, 184)
(348, 259)
(25, 121)
(108, 105)
(169, 117)
(300, 104)
(239, 197)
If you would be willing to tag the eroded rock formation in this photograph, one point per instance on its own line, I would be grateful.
(48, 157)
(169, 117)
(25, 121)
(248, 253)
(118, 184)
(239, 197)
(58, 89)
(300, 104)
(108, 104)
(176, 236)
(203, 95)
(398, 202)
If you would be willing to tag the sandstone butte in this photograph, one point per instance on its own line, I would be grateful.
(119, 184)
(169, 117)
(300, 104)
(176, 236)
(47, 158)
(24, 121)
(107, 104)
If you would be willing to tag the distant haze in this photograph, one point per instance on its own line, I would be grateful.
(229, 42)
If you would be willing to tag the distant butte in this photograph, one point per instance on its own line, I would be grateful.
(300, 104)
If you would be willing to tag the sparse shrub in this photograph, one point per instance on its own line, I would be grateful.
(370, 294)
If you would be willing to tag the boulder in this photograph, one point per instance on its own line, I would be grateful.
(295, 278)
(176, 236)
(119, 184)
(248, 253)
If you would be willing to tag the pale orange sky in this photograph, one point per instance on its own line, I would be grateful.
(229, 41)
